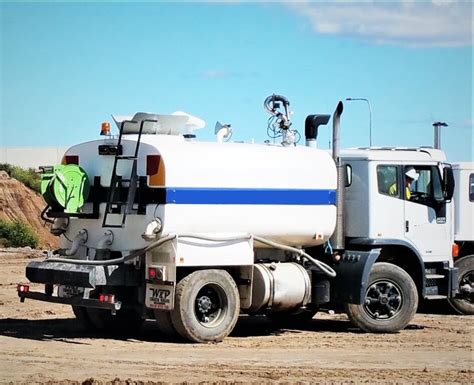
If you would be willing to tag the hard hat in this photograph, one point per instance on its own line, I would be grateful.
(412, 174)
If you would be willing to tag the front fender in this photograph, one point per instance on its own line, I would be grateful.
(352, 276)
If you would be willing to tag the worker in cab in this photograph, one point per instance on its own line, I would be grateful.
(410, 176)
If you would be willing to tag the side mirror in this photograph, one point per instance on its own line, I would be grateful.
(448, 183)
(348, 176)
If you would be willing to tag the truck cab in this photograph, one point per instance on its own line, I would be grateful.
(396, 200)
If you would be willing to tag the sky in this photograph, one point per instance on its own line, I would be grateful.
(65, 67)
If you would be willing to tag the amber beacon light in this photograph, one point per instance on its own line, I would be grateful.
(105, 128)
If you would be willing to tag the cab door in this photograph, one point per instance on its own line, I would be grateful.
(427, 216)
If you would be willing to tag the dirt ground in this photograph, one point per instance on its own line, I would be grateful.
(42, 343)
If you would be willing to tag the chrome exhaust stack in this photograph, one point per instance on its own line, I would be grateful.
(337, 239)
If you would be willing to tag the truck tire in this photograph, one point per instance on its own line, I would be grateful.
(465, 303)
(164, 323)
(123, 322)
(82, 317)
(391, 301)
(207, 306)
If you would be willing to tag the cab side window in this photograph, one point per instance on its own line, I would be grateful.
(387, 180)
(423, 185)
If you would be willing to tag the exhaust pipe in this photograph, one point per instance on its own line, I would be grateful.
(337, 239)
(437, 134)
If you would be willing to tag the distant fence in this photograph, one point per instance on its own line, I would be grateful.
(31, 156)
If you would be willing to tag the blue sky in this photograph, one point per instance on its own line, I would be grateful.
(65, 67)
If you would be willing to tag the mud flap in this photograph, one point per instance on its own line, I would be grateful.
(352, 275)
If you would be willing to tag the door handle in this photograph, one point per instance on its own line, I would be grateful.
(407, 226)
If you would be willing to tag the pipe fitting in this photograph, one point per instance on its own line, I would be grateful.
(59, 226)
(152, 229)
(79, 240)
(106, 240)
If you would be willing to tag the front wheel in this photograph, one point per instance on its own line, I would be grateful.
(207, 306)
(390, 303)
(464, 301)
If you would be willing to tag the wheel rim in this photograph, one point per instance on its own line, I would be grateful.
(466, 287)
(210, 305)
(383, 300)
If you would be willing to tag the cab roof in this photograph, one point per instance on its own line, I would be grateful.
(394, 154)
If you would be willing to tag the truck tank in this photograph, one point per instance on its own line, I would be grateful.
(286, 194)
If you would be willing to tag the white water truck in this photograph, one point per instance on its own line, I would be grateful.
(156, 224)
(463, 254)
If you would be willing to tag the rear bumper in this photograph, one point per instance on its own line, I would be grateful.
(76, 301)
(87, 276)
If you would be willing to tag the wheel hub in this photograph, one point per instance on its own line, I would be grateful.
(204, 304)
(210, 305)
(466, 286)
(383, 300)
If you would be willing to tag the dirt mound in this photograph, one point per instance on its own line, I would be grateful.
(18, 202)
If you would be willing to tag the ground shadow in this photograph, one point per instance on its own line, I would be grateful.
(68, 330)
(438, 306)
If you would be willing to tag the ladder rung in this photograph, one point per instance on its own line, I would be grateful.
(116, 226)
(128, 157)
(435, 296)
(434, 276)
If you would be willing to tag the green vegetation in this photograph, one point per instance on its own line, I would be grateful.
(17, 234)
(26, 176)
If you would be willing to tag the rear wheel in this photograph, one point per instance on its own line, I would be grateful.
(390, 303)
(464, 302)
(207, 306)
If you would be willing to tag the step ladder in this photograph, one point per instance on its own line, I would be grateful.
(119, 200)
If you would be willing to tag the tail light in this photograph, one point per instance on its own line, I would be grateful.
(110, 298)
(155, 170)
(23, 288)
(70, 159)
(157, 272)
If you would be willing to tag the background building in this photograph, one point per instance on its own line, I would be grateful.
(31, 156)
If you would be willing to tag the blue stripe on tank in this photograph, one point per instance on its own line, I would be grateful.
(249, 196)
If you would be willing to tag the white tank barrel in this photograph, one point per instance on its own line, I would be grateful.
(286, 194)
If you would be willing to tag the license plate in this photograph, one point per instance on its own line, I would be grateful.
(69, 291)
(159, 296)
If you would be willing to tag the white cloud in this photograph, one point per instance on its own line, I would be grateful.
(214, 74)
(436, 23)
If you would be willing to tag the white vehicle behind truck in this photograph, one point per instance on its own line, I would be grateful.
(158, 225)
(464, 236)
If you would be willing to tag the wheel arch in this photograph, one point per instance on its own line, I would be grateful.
(399, 253)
